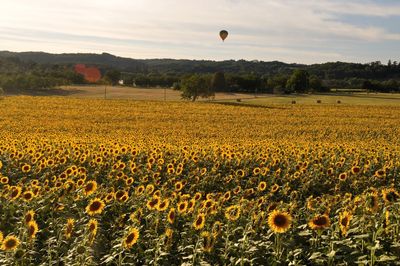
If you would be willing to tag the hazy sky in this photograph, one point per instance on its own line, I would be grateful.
(303, 31)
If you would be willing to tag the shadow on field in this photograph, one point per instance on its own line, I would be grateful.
(249, 105)
(42, 92)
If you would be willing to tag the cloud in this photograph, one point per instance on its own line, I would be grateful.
(304, 31)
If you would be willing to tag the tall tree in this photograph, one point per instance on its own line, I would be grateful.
(315, 83)
(299, 81)
(218, 82)
(195, 86)
(112, 76)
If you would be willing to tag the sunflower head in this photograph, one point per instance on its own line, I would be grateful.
(182, 207)
(130, 238)
(279, 221)
(90, 187)
(69, 227)
(262, 186)
(343, 176)
(92, 226)
(232, 213)
(32, 229)
(199, 221)
(344, 221)
(320, 222)
(29, 216)
(390, 195)
(372, 201)
(171, 216)
(95, 206)
(10, 243)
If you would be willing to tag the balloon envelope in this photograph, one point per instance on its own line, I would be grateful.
(223, 34)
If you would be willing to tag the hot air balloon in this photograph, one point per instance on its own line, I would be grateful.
(223, 34)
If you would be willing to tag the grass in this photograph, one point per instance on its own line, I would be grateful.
(161, 94)
(352, 99)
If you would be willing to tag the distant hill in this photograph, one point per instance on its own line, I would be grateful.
(155, 65)
(331, 70)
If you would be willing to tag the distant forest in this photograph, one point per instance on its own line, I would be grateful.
(38, 70)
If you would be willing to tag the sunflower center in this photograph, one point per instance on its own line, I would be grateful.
(344, 221)
(199, 221)
(280, 220)
(321, 221)
(95, 206)
(130, 238)
(10, 243)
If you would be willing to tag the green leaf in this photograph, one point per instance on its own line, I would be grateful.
(315, 255)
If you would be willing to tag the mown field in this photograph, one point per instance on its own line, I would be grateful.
(123, 182)
(161, 94)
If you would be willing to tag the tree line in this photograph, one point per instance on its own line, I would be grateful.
(40, 70)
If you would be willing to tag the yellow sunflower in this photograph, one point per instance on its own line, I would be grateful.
(15, 192)
(178, 186)
(163, 205)
(390, 195)
(95, 206)
(319, 222)
(182, 207)
(262, 186)
(372, 202)
(380, 173)
(29, 216)
(355, 170)
(152, 203)
(139, 190)
(32, 229)
(274, 188)
(208, 241)
(109, 197)
(232, 213)
(240, 173)
(10, 243)
(131, 238)
(28, 195)
(344, 222)
(90, 188)
(199, 221)
(279, 221)
(69, 228)
(4, 180)
(217, 228)
(256, 171)
(343, 176)
(92, 226)
(26, 168)
(171, 216)
(149, 189)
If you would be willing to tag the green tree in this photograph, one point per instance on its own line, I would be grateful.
(195, 86)
(316, 83)
(218, 82)
(299, 81)
(112, 76)
(277, 83)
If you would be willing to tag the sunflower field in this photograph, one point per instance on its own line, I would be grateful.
(94, 182)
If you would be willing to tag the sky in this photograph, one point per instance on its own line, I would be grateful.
(292, 31)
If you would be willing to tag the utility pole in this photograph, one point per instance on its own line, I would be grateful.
(105, 92)
(165, 93)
